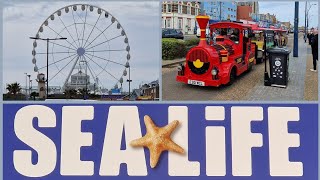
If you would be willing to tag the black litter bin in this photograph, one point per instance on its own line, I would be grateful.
(279, 63)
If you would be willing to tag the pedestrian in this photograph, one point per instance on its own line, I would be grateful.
(304, 37)
(282, 39)
(314, 48)
(310, 35)
(276, 39)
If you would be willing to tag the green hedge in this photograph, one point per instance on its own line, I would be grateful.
(192, 42)
(174, 48)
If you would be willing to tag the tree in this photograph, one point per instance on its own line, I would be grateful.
(70, 93)
(14, 88)
(34, 94)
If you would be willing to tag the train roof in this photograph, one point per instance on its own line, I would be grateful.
(231, 24)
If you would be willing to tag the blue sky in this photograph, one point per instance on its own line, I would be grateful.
(284, 11)
(22, 20)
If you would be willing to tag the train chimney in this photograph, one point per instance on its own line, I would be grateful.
(203, 22)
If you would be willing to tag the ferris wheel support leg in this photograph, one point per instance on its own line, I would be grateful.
(93, 76)
(65, 83)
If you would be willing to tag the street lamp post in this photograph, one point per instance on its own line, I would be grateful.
(48, 39)
(30, 88)
(129, 81)
(305, 22)
(26, 89)
(307, 15)
(86, 93)
(296, 31)
(29, 84)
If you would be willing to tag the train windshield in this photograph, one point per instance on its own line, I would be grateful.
(228, 33)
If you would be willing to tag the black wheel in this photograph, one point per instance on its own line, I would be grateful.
(232, 76)
(259, 60)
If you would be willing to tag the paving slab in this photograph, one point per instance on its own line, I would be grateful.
(296, 85)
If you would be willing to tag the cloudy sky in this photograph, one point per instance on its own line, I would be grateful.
(284, 11)
(138, 19)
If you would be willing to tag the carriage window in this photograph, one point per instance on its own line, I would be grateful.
(258, 36)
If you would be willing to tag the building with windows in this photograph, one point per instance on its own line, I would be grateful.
(180, 15)
(219, 10)
(288, 25)
(248, 11)
(81, 80)
(148, 91)
(254, 6)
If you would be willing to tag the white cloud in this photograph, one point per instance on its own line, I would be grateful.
(284, 11)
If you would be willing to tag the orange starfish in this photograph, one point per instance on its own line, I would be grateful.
(157, 140)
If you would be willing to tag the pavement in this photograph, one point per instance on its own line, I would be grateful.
(311, 80)
(295, 90)
(302, 85)
(168, 63)
(173, 90)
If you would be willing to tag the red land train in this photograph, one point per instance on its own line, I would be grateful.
(218, 61)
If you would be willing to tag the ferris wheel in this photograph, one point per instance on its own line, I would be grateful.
(95, 52)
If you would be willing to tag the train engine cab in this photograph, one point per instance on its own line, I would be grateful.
(217, 61)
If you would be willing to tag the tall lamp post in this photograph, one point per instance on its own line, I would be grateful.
(306, 20)
(86, 92)
(29, 75)
(26, 85)
(48, 39)
(30, 87)
(129, 80)
(296, 31)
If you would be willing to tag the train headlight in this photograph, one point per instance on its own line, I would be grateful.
(214, 72)
(181, 70)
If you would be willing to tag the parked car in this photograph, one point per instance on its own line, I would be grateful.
(172, 33)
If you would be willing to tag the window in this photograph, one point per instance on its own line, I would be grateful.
(163, 23)
(179, 23)
(168, 22)
(188, 10)
(189, 23)
(169, 8)
(180, 9)
(197, 11)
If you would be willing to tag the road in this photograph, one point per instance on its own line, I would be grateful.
(173, 90)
